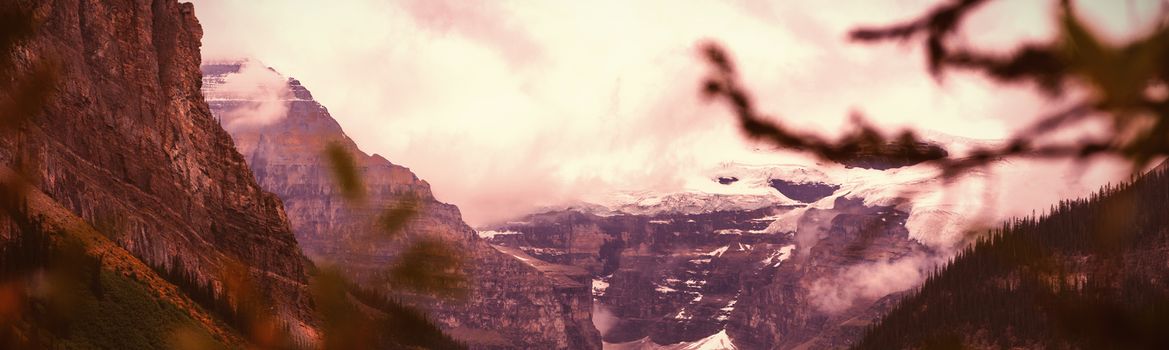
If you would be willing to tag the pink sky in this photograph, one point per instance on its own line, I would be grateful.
(506, 106)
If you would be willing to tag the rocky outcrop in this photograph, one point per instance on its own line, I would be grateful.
(511, 303)
(667, 278)
(806, 192)
(817, 300)
(682, 278)
(127, 143)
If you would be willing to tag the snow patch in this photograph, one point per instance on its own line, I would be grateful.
(769, 218)
(664, 289)
(786, 223)
(599, 287)
(729, 231)
(717, 341)
(730, 306)
(490, 234)
(777, 257)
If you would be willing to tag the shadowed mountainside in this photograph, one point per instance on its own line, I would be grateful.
(1090, 274)
(127, 144)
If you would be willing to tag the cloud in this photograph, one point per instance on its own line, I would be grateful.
(603, 319)
(480, 21)
(868, 281)
(262, 93)
(508, 106)
(942, 216)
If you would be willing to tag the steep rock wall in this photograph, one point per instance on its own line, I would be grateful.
(126, 142)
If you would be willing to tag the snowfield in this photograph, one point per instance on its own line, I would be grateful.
(599, 287)
(717, 341)
(940, 213)
(488, 235)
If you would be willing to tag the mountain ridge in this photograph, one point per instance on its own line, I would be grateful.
(511, 303)
(127, 143)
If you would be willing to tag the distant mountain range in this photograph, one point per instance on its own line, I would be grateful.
(739, 260)
(770, 256)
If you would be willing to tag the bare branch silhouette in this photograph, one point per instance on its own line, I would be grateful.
(1122, 80)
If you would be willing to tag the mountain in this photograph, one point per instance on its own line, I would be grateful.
(717, 341)
(103, 296)
(125, 144)
(764, 256)
(1088, 274)
(822, 298)
(283, 133)
(666, 277)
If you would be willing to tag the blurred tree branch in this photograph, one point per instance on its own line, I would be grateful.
(1126, 83)
(429, 265)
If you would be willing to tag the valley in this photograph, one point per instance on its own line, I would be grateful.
(495, 176)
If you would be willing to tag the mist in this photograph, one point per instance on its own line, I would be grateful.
(603, 319)
(869, 281)
(509, 106)
(264, 95)
(945, 216)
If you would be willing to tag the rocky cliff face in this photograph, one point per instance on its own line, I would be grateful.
(803, 192)
(686, 278)
(668, 278)
(128, 144)
(818, 298)
(512, 302)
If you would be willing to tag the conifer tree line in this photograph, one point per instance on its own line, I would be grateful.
(336, 300)
(41, 274)
(235, 313)
(1091, 274)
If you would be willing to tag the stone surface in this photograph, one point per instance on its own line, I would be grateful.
(669, 277)
(678, 279)
(807, 192)
(783, 311)
(511, 303)
(128, 144)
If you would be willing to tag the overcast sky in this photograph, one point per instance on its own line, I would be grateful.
(504, 106)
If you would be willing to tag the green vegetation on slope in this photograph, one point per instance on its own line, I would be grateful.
(64, 298)
(1091, 274)
(128, 317)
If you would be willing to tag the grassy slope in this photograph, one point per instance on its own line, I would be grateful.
(139, 309)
